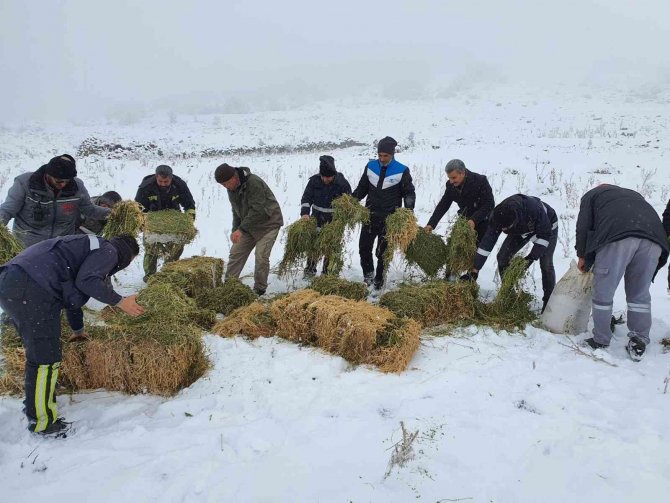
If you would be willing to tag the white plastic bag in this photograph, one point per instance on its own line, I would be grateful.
(569, 306)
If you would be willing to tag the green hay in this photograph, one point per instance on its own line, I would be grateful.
(428, 252)
(434, 303)
(401, 229)
(331, 285)
(461, 247)
(192, 275)
(349, 210)
(330, 245)
(301, 245)
(511, 306)
(665, 342)
(10, 247)
(226, 298)
(173, 224)
(126, 217)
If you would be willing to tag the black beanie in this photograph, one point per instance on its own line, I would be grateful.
(327, 166)
(126, 248)
(504, 216)
(386, 145)
(224, 173)
(62, 167)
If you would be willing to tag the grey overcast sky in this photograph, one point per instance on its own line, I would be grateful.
(69, 58)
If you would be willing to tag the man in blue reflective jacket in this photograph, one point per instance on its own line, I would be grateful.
(386, 184)
(55, 274)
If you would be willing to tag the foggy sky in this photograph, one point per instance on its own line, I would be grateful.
(70, 58)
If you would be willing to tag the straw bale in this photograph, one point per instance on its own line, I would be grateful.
(427, 251)
(10, 246)
(332, 285)
(126, 217)
(169, 226)
(301, 245)
(192, 275)
(226, 298)
(396, 344)
(461, 246)
(252, 321)
(294, 319)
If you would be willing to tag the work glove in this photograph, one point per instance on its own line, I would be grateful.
(470, 276)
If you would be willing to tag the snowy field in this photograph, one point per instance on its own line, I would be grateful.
(502, 417)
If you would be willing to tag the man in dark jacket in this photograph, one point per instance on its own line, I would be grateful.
(257, 219)
(55, 274)
(524, 219)
(473, 194)
(385, 184)
(619, 234)
(87, 225)
(48, 202)
(163, 191)
(666, 226)
(318, 198)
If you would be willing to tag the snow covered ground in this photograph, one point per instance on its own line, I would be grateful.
(502, 417)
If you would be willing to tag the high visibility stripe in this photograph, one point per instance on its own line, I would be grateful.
(483, 252)
(639, 309)
(601, 307)
(555, 226)
(40, 398)
(323, 210)
(55, 368)
(94, 243)
(305, 205)
(630, 304)
(542, 242)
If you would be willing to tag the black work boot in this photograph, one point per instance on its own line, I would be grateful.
(595, 345)
(368, 279)
(636, 348)
(58, 429)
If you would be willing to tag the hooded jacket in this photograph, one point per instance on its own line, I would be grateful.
(174, 197)
(609, 213)
(255, 208)
(318, 197)
(41, 212)
(386, 188)
(474, 198)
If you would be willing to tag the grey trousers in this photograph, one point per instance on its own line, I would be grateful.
(240, 251)
(636, 261)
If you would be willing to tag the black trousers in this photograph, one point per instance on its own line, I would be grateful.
(36, 316)
(376, 230)
(513, 244)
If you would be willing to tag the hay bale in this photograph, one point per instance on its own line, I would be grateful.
(332, 285)
(427, 251)
(511, 306)
(252, 321)
(192, 275)
(301, 245)
(401, 230)
(126, 217)
(461, 247)
(434, 303)
(10, 247)
(396, 344)
(227, 297)
(169, 226)
(292, 316)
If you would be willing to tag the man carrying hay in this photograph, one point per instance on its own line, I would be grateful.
(48, 202)
(56, 274)
(318, 198)
(87, 225)
(619, 234)
(385, 184)
(473, 194)
(257, 219)
(163, 191)
(524, 219)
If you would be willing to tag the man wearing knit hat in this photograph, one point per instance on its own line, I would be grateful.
(257, 219)
(48, 202)
(386, 185)
(318, 198)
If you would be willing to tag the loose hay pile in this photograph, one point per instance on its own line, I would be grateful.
(427, 251)
(665, 342)
(252, 321)
(331, 285)
(461, 247)
(226, 298)
(126, 217)
(301, 245)
(401, 230)
(349, 210)
(192, 275)
(169, 226)
(434, 303)
(10, 247)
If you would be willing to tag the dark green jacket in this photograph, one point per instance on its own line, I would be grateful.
(255, 208)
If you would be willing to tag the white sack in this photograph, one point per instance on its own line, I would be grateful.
(569, 306)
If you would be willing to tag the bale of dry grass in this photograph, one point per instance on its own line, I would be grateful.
(227, 297)
(293, 317)
(169, 226)
(331, 243)
(332, 285)
(396, 344)
(192, 275)
(252, 321)
(126, 217)
(434, 303)
(461, 247)
(10, 247)
(301, 245)
(427, 251)
(401, 230)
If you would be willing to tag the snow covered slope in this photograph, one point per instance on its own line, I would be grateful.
(501, 417)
